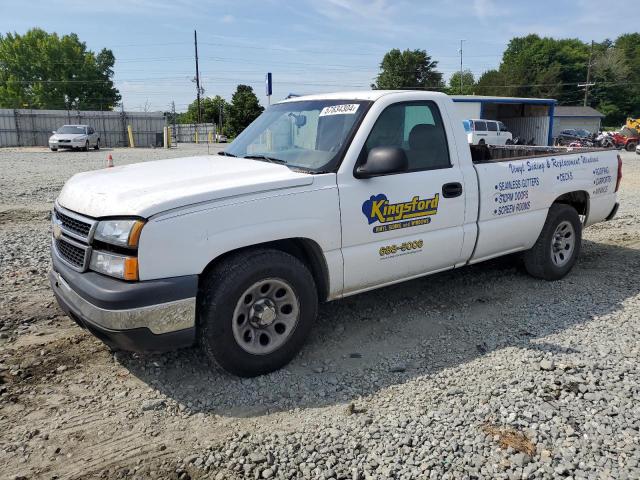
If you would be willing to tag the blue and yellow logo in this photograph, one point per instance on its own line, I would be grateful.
(393, 216)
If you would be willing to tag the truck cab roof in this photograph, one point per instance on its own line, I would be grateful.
(371, 95)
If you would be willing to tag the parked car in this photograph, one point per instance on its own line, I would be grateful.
(638, 149)
(321, 197)
(487, 132)
(221, 138)
(571, 135)
(74, 136)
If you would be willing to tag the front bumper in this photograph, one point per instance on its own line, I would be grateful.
(150, 316)
(67, 145)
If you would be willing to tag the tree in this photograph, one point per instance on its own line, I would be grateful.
(629, 45)
(408, 69)
(468, 83)
(42, 70)
(545, 67)
(492, 83)
(243, 110)
(211, 108)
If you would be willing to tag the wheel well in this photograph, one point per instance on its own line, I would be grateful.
(578, 200)
(304, 249)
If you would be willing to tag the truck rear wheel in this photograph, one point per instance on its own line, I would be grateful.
(558, 246)
(256, 310)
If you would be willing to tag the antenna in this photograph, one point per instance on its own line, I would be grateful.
(195, 42)
(462, 40)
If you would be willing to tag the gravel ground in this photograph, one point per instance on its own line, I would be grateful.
(482, 372)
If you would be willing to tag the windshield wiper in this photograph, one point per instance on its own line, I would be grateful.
(265, 158)
(222, 152)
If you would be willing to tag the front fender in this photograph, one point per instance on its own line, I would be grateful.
(185, 242)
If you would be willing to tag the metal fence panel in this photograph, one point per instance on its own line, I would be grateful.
(186, 132)
(25, 127)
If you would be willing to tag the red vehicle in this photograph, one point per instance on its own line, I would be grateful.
(618, 140)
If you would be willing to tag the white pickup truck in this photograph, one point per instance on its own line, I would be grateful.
(321, 197)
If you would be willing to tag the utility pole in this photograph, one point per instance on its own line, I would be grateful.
(587, 85)
(461, 65)
(195, 42)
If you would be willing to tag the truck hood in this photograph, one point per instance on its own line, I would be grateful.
(145, 189)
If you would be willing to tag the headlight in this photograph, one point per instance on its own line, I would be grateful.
(114, 265)
(124, 233)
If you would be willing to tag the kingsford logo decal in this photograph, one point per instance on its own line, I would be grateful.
(393, 216)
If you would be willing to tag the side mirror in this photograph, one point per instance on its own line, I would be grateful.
(301, 121)
(383, 161)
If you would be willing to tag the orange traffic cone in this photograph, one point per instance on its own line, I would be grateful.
(109, 161)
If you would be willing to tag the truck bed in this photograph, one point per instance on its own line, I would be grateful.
(518, 184)
(498, 153)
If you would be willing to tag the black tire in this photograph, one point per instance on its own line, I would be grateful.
(481, 142)
(538, 261)
(508, 142)
(97, 146)
(631, 146)
(225, 286)
(86, 146)
(54, 149)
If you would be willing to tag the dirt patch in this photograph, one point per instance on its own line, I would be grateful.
(511, 438)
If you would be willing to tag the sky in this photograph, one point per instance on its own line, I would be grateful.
(310, 46)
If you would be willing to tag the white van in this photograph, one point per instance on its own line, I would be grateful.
(487, 132)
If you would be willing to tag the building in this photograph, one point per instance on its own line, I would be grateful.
(526, 118)
(585, 118)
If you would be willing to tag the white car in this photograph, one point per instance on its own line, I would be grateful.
(74, 136)
(321, 197)
(487, 132)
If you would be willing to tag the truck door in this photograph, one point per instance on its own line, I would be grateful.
(403, 225)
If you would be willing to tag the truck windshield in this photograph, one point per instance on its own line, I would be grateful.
(306, 134)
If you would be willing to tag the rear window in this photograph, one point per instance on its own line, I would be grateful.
(480, 126)
(492, 126)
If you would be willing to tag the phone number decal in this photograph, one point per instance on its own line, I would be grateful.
(405, 247)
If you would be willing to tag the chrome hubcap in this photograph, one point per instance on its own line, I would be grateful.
(563, 243)
(265, 316)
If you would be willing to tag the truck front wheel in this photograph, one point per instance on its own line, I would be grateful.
(256, 310)
(558, 245)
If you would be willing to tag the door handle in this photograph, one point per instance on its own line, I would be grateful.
(450, 190)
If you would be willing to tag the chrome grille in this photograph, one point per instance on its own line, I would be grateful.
(72, 224)
(74, 254)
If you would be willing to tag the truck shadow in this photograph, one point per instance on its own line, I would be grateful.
(390, 336)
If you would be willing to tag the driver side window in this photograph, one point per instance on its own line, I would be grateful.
(417, 128)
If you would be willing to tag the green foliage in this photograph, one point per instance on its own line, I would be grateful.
(43, 70)
(492, 82)
(545, 67)
(211, 108)
(468, 83)
(243, 110)
(552, 68)
(408, 69)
